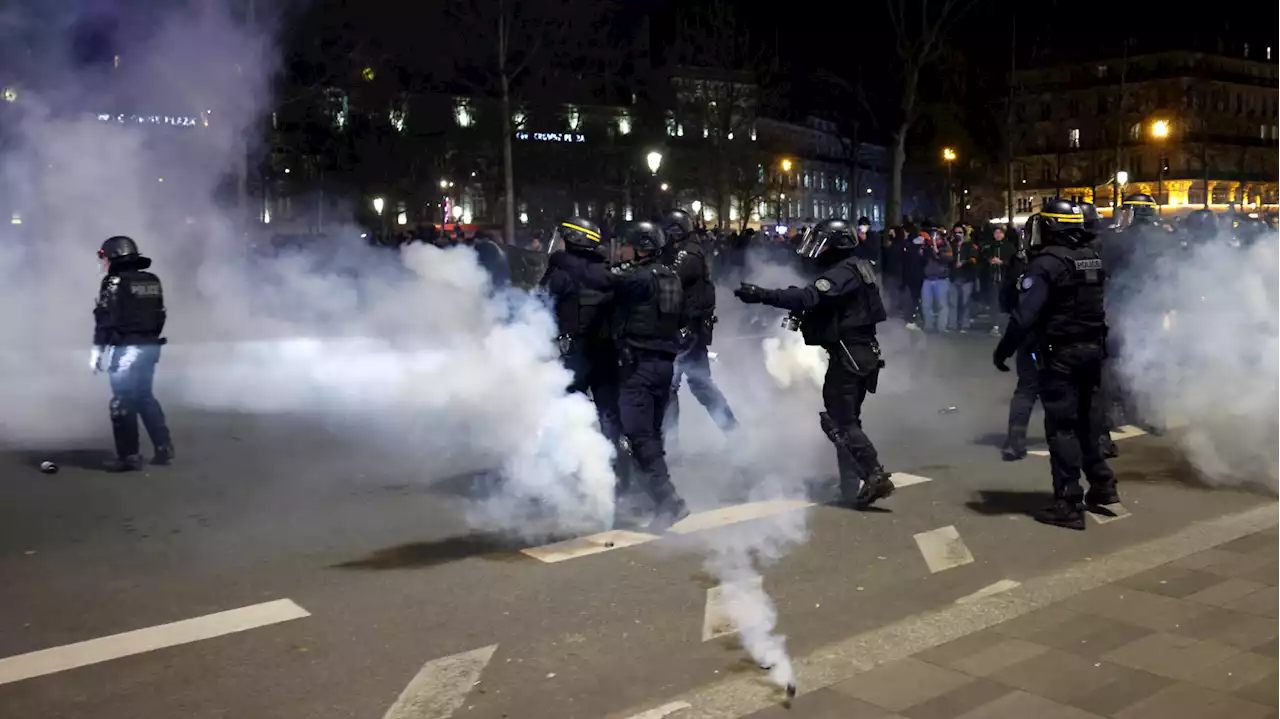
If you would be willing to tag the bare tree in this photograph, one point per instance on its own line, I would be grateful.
(920, 36)
(728, 78)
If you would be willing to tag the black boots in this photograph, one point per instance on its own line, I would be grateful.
(130, 463)
(164, 455)
(1066, 513)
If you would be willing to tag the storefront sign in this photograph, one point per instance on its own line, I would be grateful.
(552, 136)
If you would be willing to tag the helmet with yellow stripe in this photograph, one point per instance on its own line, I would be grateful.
(1059, 222)
(1139, 207)
(577, 232)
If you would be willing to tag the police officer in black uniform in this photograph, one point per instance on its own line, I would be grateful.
(579, 283)
(649, 307)
(1106, 445)
(128, 320)
(1027, 390)
(685, 255)
(839, 313)
(1061, 304)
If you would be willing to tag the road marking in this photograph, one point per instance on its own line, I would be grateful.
(586, 546)
(139, 641)
(717, 620)
(725, 516)
(659, 712)
(1003, 585)
(441, 685)
(1126, 431)
(943, 549)
(1117, 511)
(1039, 452)
(902, 479)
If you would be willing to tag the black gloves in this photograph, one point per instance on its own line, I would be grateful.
(751, 294)
(1000, 361)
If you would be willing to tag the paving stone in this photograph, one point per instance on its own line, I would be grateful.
(1262, 692)
(1021, 705)
(958, 701)
(1237, 672)
(898, 685)
(1171, 656)
(1181, 700)
(1050, 617)
(1267, 573)
(1090, 635)
(1228, 626)
(1226, 591)
(1250, 543)
(1057, 675)
(824, 703)
(1136, 607)
(1217, 561)
(1262, 602)
(1130, 687)
(998, 656)
(1171, 581)
(962, 648)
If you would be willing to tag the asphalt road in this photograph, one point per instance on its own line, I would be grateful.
(263, 508)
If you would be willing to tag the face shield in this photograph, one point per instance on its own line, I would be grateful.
(813, 243)
(1033, 236)
(556, 243)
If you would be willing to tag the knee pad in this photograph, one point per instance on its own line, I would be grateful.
(118, 408)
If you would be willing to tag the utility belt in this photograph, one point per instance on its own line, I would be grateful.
(860, 358)
(1045, 351)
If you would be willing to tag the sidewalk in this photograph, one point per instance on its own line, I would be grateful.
(1191, 639)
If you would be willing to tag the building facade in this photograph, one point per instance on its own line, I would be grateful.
(1192, 129)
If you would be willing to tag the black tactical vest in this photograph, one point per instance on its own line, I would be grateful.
(582, 313)
(140, 310)
(1074, 313)
(658, 317)
(852, 311)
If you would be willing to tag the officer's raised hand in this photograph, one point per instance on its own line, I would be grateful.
(1000, 361)
(751, 294)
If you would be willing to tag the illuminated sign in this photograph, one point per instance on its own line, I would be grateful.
(552, 136)
(171, 120)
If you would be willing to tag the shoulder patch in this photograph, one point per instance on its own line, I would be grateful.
(1027, 282)
(823, 284)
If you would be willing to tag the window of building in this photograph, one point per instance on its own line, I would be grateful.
(1073, 137)
(574, 116)
(807, 178)
(1135, 131)
(1046, 173)
(671, 124)
(462, 112)
(760, 174)
(822, 180)
(1102, 71)
(1262, 131)
(1273, 133)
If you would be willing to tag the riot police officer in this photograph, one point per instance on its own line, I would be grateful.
(649, 307)
(1023, 401)
(1106, 445)
(579, 284)
(1060, 303)
(128, 320)
(839, 313)
(686, 256)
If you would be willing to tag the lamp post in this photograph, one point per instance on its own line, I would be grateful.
(949, 156)
(786, 166)
(654, 162)
(1160, 131)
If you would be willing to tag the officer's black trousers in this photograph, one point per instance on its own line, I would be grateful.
(843, 391)
(644, 389)
(132, 371)
(595, 370)
(693, 362)
(1024, 396)
(1068, 388)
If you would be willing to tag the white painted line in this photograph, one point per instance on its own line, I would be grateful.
(1117, 510)
(139, 641)
(902, 479)
(1003, 585)
(441, 685)
(943, 549)
(1127, 431)
(585, 546)
(717, 620)
(1039, 452)
(737, 513)
(664, 710)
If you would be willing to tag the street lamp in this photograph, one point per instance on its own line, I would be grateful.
(1160, 131)
(378, 204)
(786, 165)
(654, 160)
(1122, 177)
(949, 156)
(664, 187)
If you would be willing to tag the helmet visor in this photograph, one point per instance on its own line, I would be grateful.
(813, 243)
(556, 243)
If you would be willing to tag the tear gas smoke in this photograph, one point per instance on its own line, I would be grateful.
(1200, 342)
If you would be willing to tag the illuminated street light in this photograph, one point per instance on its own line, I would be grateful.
(665, 187)
(378, 204)
(457, 211)
(1160, 129)
(948, 154)
(1122, 177)
(654, 160)
(786, 165)
(696, 207)
(444, 184)
(868, 190)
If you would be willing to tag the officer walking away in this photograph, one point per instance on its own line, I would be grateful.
(1027, 390)
(649, 305)
(687, 257)
(839, 313)
(579, 284)
(128, 321)
(1060, 303)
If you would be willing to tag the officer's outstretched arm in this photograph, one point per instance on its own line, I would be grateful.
(803, 299)
(1033, 292)
(632, 288)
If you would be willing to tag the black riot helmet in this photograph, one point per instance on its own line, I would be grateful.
(645, 236)
(118, 248)
(1139, 208)
(1201, 224)
(676, 224)
(1091, 219)
(826, 236)
(576, 232)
